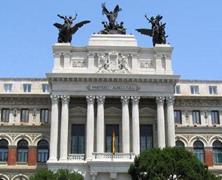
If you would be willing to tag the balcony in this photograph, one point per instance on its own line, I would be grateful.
(111, 156)
(76, 157)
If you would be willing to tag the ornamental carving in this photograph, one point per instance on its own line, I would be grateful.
(79, 63)
(90, 99)
(54, 98)
(170, 99)
(100, 99)
(125, 99)
(160, 99)
(146, 64)
(135, 99)
(198, 103)
(113, 62)
(65, 99)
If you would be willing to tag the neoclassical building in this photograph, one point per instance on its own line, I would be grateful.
(102, 105)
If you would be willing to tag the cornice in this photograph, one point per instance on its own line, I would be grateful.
(56, 77)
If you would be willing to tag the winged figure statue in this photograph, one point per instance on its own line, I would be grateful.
(67, 29)
(157, 31)
(112, 27)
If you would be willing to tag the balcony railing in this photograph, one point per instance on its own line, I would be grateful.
(111, 156)
(76, 157)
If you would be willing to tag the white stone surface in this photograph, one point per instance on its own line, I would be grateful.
(116, 40)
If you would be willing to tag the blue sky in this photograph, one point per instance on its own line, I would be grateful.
(194, 28)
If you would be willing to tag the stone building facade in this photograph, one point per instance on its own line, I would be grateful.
(110, 95)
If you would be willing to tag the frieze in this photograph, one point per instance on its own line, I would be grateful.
(113, 88)
(198, 102)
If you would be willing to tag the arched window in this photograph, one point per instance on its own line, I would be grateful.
(43, 151)
(198, 148)
(22, 151)
(180, 144)
(217, 151)
(3, 150)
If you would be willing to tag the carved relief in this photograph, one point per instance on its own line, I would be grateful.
(146, 64)
(113, 62)
(78, 63)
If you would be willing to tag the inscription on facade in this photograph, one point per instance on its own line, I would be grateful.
(112, 87)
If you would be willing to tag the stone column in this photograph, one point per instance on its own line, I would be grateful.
(90, 127)
(32, 156)
(125, 124)
(135, 125)
(12, 155)
(100, 124)
(170, 122)
(64, 128)
(54, 128)
(160, 122)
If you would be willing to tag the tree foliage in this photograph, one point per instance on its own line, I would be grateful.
(169, 163)
(61, 174)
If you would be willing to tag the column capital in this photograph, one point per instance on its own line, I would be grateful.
(54, 98)
(125, 99)
(135, 99)
(170, 99)
(160, 99)
(100, 99)
(65, 99)
(90, 99)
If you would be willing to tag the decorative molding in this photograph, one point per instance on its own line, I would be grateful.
(125, 99)
(65, 99)
(54, 99)
(100, 99)
(135, 99)
(198, 103)
(78, 63)
(113, 62)
(90, 99)
(170, 99)
(146, 64)
(160, 99)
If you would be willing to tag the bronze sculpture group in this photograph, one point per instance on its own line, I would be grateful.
(67, 29)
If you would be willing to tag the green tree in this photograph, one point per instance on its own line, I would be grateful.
(43, 174)
(64, 174)
(169, 163)
(61, 174)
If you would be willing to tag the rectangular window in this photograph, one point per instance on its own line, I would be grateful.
(194, 89)
(177, 89)
(44, 115)
(27, 87)
(78, 139)
(3, 154)
(22, 155)
(177, 117)
(112, 138)
(5, 115)
(196, 117)
(24, 115)
(215, 117)
(8, 87)
(45, 88)
(213, 89)
(146, 137)
(43, 155)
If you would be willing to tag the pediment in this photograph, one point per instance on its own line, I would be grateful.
(78, 111)
(147, 112)
(113, 111)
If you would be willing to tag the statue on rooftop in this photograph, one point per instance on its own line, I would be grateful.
(112, 27)
(157, 31)
(67, 29)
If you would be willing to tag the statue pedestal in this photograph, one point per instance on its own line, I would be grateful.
(117, 40)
